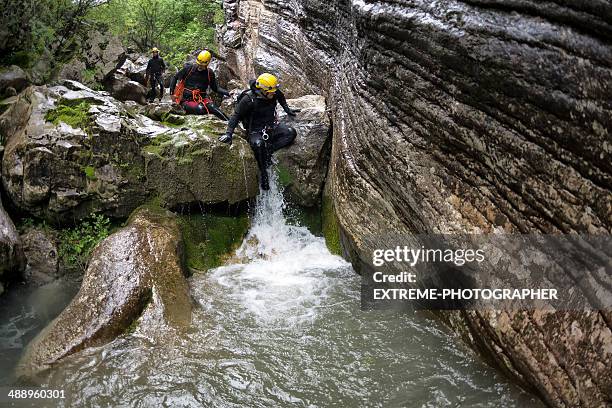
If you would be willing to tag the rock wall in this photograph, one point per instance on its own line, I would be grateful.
(474, 116)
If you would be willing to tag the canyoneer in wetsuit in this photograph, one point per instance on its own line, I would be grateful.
(257, 110)
(194, 81)
(154, 74)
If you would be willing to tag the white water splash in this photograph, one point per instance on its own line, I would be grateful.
(285, 270)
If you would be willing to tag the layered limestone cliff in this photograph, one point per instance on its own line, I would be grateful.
(477, 116)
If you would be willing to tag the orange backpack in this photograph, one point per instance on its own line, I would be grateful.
(180, 87)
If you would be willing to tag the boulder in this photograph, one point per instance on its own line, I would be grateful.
(135, 68)
(303, 165)
(188, 169)
(123, 88)
(72, 151)
(12, 259)
(13, 77)
(40, 249)
(136, 271)
(100, 53)
(461, 117)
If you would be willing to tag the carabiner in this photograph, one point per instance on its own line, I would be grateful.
(264, 135)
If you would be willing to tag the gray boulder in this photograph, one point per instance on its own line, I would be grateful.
(40, 249)
(13, 77)
(123, 88)
(137, 271)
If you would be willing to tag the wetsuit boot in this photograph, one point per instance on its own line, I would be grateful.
(261, 155)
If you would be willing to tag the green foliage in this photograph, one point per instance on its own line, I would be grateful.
(210, 238)
(77, 243)
(90, 172)
(177, 27)
(43, 30)
(76, 116)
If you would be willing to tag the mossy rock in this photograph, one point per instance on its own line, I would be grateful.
(73, 114)
(210, 239)
(331, 229)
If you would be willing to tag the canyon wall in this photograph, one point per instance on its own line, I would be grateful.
(474, 116)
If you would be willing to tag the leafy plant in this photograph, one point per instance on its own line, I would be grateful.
(77, 243)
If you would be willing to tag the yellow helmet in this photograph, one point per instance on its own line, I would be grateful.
(154, 49)
(204, 58)
(267, 83)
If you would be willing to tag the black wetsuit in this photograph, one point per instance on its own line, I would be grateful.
(155, 70)
(258, 114)
(200, 81)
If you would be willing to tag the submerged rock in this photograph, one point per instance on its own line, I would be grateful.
(137, 270)
(454, 117)
(72, 151)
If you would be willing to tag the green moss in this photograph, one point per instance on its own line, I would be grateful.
(185, 161)
(283, 176)
(76, 116)
(172, 120)
(331, 230)
(210, 238)
(90, 173)
(309, 217)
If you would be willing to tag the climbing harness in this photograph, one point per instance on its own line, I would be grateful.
(180, 88)
(196, 94)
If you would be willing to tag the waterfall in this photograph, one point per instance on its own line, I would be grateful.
(283, 270)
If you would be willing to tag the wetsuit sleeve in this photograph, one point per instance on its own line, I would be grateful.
(214, 85)
(242, 111)
(179, 75)
(148, 71)
(280, 97)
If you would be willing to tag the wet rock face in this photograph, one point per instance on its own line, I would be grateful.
(12, 259)
(135, 272)
(102, 161)
(305, 161)
(473, 116)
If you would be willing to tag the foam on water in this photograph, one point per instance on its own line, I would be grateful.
(284, 270)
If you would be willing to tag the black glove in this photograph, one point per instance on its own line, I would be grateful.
(226, 138)
(293, 112)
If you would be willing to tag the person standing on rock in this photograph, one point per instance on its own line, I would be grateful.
(192, 90)
(154, 74)
(256, 109)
